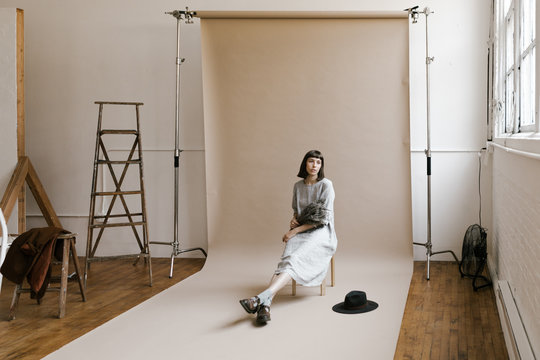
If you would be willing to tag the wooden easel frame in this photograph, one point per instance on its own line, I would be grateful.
(24, 171)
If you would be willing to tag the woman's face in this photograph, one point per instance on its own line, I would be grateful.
(313, 165)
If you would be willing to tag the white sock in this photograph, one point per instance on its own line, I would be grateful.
(266, 297)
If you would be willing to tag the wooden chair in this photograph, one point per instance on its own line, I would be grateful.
(68, 249)
(323, 284)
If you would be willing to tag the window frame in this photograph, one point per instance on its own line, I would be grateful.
(508, 113)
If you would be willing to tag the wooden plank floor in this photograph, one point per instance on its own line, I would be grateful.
(445, 319)
(113, 287)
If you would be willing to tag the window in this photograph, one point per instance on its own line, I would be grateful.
(516, 66)
(527, 65)
(509, 93)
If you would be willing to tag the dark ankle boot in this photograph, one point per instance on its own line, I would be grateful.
(251, 305)
(263, 315)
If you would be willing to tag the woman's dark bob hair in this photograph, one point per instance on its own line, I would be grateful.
(311, 154)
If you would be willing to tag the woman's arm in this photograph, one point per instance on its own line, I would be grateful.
(301, 228)
(294, 222)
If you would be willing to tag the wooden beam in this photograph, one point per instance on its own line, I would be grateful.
(21, 207)
(21, 142)
(41, 197)
(14, 187)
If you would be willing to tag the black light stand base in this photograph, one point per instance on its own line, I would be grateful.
(429, 254)
(178, 252)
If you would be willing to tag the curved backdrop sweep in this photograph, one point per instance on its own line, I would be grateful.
(274, 88)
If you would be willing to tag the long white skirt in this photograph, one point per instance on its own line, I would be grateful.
(307, 255)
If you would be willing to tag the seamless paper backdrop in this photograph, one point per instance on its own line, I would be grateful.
(275, 88)
(272, 90)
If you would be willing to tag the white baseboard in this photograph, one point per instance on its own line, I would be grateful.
(515, 334)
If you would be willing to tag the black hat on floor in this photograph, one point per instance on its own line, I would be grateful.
(355, 302)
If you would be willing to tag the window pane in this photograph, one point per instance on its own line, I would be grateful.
(527, 89)
(533, 18)
(506, 6)
(509, 103)
(509, 45)
(528, 25)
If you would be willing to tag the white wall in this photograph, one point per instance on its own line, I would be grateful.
(78, 52)
(515, 254)
(8, 100)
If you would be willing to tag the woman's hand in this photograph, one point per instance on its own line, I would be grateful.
(297, 230)
(288, 235)
(294, 223)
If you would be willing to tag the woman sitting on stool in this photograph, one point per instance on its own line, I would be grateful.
(311, 241)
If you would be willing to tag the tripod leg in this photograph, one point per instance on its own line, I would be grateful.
(428, 261)
(172, 266)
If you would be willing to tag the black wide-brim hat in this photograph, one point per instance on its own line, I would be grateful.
(355, 302)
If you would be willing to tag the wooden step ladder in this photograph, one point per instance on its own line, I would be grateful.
(137, 221)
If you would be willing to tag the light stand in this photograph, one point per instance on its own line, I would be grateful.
(414, 14)
(187, 16)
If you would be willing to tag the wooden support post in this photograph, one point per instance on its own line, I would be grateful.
(332, 272)
(16, 183)
(21, 144)
(25, 171)
(21, 208)
(14, 302)
(64, 279)
(41, 197)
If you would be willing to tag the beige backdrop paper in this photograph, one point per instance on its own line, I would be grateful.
(275, 88)
(272, 90)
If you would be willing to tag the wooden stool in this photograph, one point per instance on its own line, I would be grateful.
(68, 248)
(323, 284)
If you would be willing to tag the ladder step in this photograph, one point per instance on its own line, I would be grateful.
(135, 223)
(117, 215)
(119, 132)
(118, 162)
(114, 257)
(118, 103)
(110, 193)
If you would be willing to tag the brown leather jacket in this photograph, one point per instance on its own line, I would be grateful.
(30, 256)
